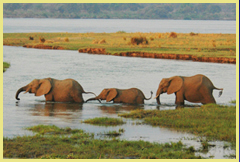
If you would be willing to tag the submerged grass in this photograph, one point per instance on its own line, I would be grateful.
(5, 66)
(201, 45)
(81, 145)
(104, 121)
(213, 121)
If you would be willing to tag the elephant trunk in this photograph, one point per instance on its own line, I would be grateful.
(159, 91)
(94, 98)
(19, 91)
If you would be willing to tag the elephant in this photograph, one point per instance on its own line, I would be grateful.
(196, 89)
(67, 90)
(128, 96)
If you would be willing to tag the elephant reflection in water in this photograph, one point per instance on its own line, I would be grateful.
(115, 109)
(57, 109)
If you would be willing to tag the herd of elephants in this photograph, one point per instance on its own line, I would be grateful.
(196, 89)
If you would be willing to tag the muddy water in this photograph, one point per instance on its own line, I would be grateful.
(95, 72)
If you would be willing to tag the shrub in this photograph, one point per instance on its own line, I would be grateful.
(139, 40)
(95, 42)
(102, 41)
(42, 40)
(31, 38)
(66, 39)
(173, 35)
(192, 34)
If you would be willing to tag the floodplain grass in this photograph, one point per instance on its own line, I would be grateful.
(5, 66)
(215, 122)
(82, 145)
(200, 45)
(104, 121)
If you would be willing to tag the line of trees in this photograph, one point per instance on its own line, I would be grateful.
(205, 11)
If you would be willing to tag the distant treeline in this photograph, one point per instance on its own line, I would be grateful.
(186, 11)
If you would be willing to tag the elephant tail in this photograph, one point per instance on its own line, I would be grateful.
(149, 97)
(221, 91)
(90, 93)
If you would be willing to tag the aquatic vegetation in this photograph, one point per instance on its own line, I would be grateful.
(232, 101)
(213, 121)
(5, 66)
(104, 121)
(52, 129)
(82, 145)
(113, 133)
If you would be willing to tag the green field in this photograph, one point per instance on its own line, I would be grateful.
(198, 44)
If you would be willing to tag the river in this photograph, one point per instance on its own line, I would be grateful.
(94, 73)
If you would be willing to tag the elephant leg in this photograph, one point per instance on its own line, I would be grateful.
(49, 97)
(77, 97)
(179, 99)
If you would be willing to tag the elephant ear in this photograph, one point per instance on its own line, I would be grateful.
(45, 87)
(175, 84)
(111, 94)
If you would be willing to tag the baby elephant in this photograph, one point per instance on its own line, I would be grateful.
(129, 96)
(197, 89)
(67, 90)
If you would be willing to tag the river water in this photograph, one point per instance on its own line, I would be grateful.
(94, 73)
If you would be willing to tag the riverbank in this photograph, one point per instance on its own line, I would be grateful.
(219, 48)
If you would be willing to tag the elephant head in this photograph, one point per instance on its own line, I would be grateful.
(106, 94)
(169, 85)
(37, 86)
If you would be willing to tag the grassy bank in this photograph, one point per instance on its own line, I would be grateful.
(212, 121)
(201, 45)
(5, 66)
(54, 142)
(104, 121)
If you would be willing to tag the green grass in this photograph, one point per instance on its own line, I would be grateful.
(212, 121)
(81, 145)
(5, 66)
(232, 101)
(52, 129)
(104, 121)
(202, 45)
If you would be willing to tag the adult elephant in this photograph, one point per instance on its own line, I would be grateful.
(67, 90)
(129, 96)
(197, 89)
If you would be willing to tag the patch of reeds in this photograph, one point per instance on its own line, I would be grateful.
(5, 66)
(104, 121)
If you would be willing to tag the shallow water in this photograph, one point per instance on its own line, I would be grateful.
(94, 73)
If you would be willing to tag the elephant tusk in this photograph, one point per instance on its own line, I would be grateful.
(27, 90)
(155, 97)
